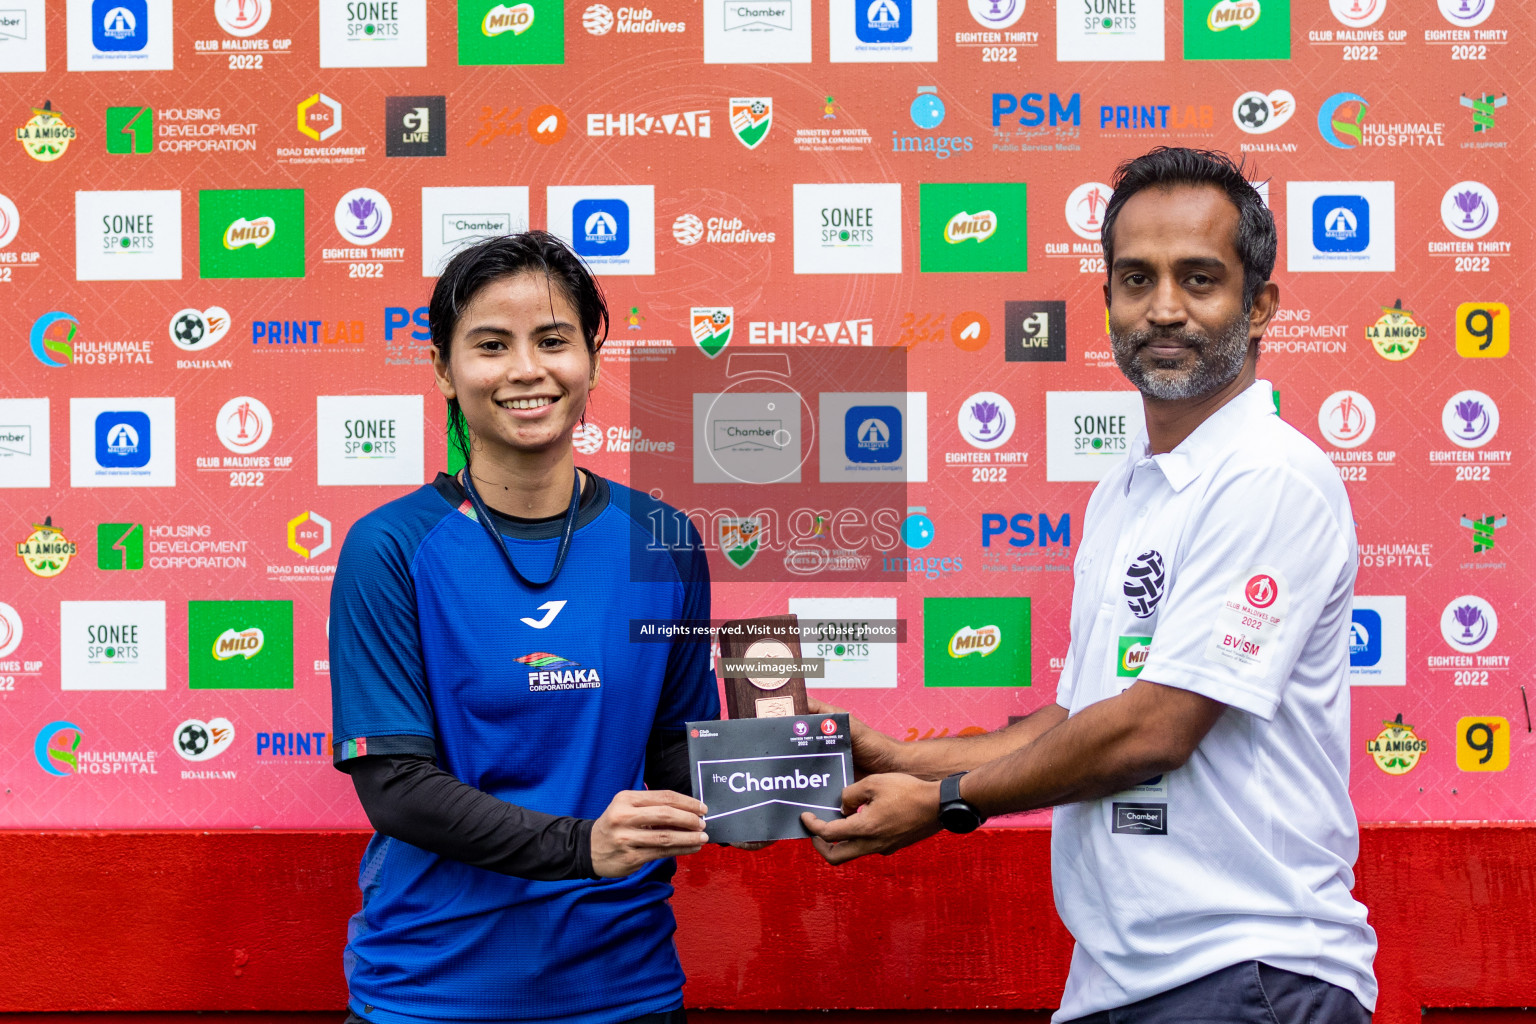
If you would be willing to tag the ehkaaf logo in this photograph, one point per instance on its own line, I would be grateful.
(694, 123)
(415, 126)
(549, 672)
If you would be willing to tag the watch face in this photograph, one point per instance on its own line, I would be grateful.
(959, 817)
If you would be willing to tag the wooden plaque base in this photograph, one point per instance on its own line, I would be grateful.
(774, 636)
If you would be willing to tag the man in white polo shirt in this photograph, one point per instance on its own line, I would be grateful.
(1203, 840)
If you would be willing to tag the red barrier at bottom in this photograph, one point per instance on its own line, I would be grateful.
(180, 921)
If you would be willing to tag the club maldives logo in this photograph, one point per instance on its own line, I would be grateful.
(711, 327)
(986, 420)
(1397, 748)
(1469, 209)
(751, 117)
(982, 640)
(1396, 335)
(57, 748)
(46, 551)
(741, 538)
(244, 425)
(1347, 419)
(363, 216)
(552, 672)
(1469, 624)
(1470, 419)
(516, 19)
(46, 135)
(1341, 120)
(52, 338)
(1085, 209)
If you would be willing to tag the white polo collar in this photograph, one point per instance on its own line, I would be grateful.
(1219, 433)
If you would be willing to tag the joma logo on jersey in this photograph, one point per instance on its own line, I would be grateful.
(968, 641)
(552, 672)
(244, 644)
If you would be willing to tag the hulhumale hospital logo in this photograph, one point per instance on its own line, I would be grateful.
(57, 748)
(1341, 118)
(52, 338)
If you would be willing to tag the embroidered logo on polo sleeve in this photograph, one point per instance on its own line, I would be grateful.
(1249, 620)
(1145, 582)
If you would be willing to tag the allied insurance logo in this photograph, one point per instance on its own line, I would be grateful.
(46, 551)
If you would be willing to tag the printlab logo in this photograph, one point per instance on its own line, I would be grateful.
(1483, 530)
(1237, 30)
(1341, 120)
(193, 330)
(1466, 13)
(196, 740)
(1085, 209)
(521, 33)
(415, 126)
(711, 327)
(1470, 419)
(1469, 624)
(1469, 209)
(977, 227)
(244, 425)
(976, 641)
(1145, 584)
(240, 645)
(130, 129)
(1347, 419)
(363, 216)
(46, 135)
(119, 546)
(250, 232)
(986, 420)
(1036, 331)
(1259, 113)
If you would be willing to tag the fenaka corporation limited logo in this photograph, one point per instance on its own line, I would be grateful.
(1396, 335)
(1397, 748)
(550, 672)
(46, 551)
(46, 135)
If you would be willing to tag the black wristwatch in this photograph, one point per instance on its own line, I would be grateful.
(954, 813)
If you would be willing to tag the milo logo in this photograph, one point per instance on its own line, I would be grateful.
(1134, 651)
(244, 232)
(245, 644)
(967, 641)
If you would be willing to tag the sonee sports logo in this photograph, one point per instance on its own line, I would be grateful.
(1145, 583)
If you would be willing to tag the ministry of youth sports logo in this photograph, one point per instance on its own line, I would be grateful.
(1145, 582)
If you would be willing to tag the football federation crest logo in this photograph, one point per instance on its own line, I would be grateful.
(739, 539)
(751, 117)
(711, 327)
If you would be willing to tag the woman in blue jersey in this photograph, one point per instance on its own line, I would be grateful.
(524, 763)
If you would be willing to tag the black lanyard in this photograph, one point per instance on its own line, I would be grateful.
(484, 515)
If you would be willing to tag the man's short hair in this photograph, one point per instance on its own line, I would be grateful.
(1170, 166)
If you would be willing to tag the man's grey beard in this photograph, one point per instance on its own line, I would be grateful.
(1218, 361)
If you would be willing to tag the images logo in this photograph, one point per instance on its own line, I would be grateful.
(1346, 419)
(130, 129)
(1085, 207)
(46, 551)
(1397, 748)
(119, 25)
(1483, 531)
(244, 425)
(240, 645)
(711, 327)
(1482, 330)
(740, 539)
(974, 227)
(57, 748)
(1341, 118)
(1396, 335)
(1468, 624)
(309, 535)
(319, 117)
(986, 420)
(196, 740)
(1260, 113)
(192, 330)
(245, 233)
(1470, 419)
(1469, 209)
(119, 546)
(46, 135)
(52, 338)
(751, 117)
(976, 641)
(1483, 105)
(363, 216)
(522, 33)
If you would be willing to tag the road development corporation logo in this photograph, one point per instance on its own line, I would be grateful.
(1357, 13)
(46, 135)
(193, 330)
(1346, 419)
(196, 740)
(1259, 113)
(1396, 335)
(363, 216)
(1466, 13)
(57, 748)
(1470, 419)
(244, 425)
(741, 538)
(1468, 624)
(976, 641)
(46, 551)
(711, 327)
(1469, 209)
(309, 535)
(1145, 583)
(1397, 748)
(549, 672)
(319, 117)
(751, 117)
(986, 420)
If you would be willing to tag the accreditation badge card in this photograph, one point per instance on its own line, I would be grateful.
(757, 775)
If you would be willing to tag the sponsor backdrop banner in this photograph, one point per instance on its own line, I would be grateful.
(219, 226)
